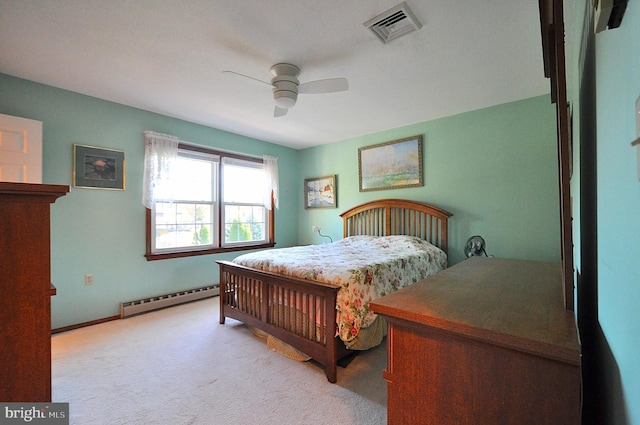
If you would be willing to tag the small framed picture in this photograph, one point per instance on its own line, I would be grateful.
(98, 168)
(391, 165)
(320, 192)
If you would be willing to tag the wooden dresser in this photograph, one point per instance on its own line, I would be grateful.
(487, 341)
(26, 290)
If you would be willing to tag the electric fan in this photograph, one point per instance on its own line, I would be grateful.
(475, 247)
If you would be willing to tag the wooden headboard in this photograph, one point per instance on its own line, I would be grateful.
(386, 217)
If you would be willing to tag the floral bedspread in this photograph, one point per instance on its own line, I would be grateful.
(365, 267)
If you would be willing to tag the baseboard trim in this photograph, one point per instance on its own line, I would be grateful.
(183, 301)
(84, 324)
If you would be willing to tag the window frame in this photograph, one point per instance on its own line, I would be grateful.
(222, 247)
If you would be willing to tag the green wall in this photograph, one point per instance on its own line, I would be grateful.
(495, 169)
(618, 188)
(618, 87)
(603, 87)
(102, 232)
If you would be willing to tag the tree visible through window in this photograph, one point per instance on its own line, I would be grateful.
(244, 215)
(217, 206)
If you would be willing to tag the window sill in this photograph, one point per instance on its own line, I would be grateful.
(181, 254)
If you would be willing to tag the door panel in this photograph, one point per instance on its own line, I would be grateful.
(20, 150)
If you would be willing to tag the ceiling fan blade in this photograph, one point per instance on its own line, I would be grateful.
(279, 112)
(330, 85)
(246, 78)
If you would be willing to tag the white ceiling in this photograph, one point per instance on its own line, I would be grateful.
(168, 56)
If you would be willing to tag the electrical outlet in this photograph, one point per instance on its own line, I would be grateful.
(88, 279)
(315, 229)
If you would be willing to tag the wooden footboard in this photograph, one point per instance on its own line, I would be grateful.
(299, 312)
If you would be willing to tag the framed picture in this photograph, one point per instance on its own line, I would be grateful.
(98, 168)
(391, 165)
(320, 192)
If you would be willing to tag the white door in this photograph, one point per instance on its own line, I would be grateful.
(20, 150)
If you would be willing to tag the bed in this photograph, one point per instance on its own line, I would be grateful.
(315, 307)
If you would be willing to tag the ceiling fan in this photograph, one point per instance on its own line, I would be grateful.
(286, 86)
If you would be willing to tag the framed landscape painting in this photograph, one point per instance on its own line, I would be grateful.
(320, 192)
(391, 165)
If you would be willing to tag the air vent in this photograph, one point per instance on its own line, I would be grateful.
(393, 23)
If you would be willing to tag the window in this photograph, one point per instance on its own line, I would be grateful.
(217, 206)
(189, 222)
(243, 212)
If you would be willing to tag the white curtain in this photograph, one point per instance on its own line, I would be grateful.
(271, 182)
(160, 153)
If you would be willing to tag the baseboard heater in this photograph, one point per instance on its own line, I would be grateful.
(145, 305)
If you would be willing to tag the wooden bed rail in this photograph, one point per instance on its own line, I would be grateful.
(299, 312)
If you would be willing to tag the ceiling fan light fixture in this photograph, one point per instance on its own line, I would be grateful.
(285, 85)
(284, 98)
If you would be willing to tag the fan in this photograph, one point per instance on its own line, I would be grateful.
(475, 247)
(286, 86)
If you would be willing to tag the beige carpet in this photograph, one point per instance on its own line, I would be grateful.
(180, 366)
